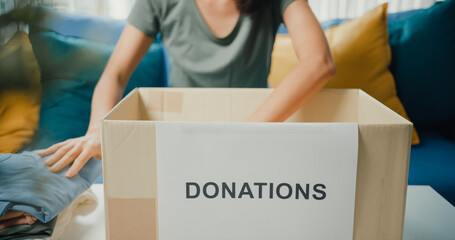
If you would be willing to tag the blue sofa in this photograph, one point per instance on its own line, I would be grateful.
(421, 68)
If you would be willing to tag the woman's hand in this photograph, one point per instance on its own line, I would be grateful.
(76, 150)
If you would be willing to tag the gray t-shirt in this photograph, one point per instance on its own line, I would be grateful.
(199, 58)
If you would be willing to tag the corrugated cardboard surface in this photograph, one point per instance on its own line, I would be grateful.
(134, 217)
(129, 154)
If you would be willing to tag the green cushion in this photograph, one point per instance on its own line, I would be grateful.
(423, 63)
(70, 69)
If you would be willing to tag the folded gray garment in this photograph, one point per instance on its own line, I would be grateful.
(26, 184)
(36, 230)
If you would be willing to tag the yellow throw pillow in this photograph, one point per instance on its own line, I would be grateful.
(20, 94)
(361, 51)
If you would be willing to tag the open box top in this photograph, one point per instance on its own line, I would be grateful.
(235, 105)
(129, 147)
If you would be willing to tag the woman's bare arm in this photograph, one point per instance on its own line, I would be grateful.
(130, 49)
(314, 70)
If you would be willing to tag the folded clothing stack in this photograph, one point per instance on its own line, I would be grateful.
(28, 189)
(14, 218)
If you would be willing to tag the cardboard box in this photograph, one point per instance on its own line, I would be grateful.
(129, 148)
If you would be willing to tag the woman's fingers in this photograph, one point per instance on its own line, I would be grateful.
(80, 161)
(51, 149)
(58, 155)
(77, 151)
(66, 159)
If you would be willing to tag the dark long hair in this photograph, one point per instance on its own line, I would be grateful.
(251, 7)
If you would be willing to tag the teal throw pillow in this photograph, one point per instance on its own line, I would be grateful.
(423, 63)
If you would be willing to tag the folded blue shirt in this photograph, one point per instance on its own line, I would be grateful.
(26, 184)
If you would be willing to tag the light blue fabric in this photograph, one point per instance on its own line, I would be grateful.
(26, 184)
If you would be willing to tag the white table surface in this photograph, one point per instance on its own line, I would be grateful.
(428, 216)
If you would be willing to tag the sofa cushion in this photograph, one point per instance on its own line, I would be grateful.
(20, 93)
(433, 163)
(361, 53)
(70, 69)
(92, 27)
(423, 60)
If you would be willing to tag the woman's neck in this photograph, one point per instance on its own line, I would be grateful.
(221, 16)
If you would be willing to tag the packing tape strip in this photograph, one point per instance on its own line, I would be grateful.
(132, 218)
(155, 101)
(173, 102)
(165, 101)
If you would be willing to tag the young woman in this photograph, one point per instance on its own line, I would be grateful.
(212, 43)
